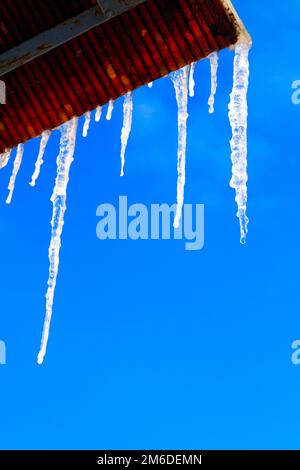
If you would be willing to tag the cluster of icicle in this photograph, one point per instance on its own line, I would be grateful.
(127, 122)
(184, 85)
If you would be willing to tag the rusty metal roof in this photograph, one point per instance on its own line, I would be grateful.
(23, 19)
(130, 50)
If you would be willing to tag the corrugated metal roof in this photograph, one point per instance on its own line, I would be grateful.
(128, 51)
(22, 19)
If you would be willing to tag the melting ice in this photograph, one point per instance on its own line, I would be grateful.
(214, 80)
(58, 199)
(110, 109)
(98, 113)
(40, 161)
(191, 80)
(184, 84)
(238, 114)
(127, 122)
(17, 164)
(4, 158)
(180, 81)
(86, 125)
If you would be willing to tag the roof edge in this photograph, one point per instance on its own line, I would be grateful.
(243, 35)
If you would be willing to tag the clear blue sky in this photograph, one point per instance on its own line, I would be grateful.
(152, 346)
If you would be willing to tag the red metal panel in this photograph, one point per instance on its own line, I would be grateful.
(122, 54)
(22, 19)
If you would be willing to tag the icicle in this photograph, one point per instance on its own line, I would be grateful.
(214, 80)
(86, 125)
(98, 113)
(150, 84)
(180, 81)
(127, 121)
(58, 199)
(4, 158)
(110, 109)
(17, 164)
(191, 80)
(238, 114)
(40, 161)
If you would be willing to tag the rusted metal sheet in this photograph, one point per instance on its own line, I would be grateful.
(63, 32)
(128, 51)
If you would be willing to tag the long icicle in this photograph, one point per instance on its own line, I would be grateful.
(110, 110)
(214, 81)
(4, 158)
(127, 122)
(98, 113)
(40, 161)
(86, 125)
(180, 81)
(17, 164)
(58, 199)
(191, 80)
(238, 117)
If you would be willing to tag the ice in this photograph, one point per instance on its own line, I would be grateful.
(127, 122)
(86, 125)
(180, 80)
(98, 113)
(110, 110)
(214, 80)
(184, 85)
(17, 164)
(4, 158)
(191, 80)
(40, 161)
(238, 114)
(58, 199)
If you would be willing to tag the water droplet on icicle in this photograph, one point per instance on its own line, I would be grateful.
(86, 125)
(98, 113)
(58, 199)
(43, 143)
(214, 81)
(180, 82)
(238, 117)
(4, 158)
(110, 110)
(17, 164)
(191, 80)
(127, 122)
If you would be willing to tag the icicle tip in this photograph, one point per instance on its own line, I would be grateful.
(98, 113)
(9, 198)
(40, 358)
(110, 110)
(176, 222)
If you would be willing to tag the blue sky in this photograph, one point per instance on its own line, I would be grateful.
(152, 346)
